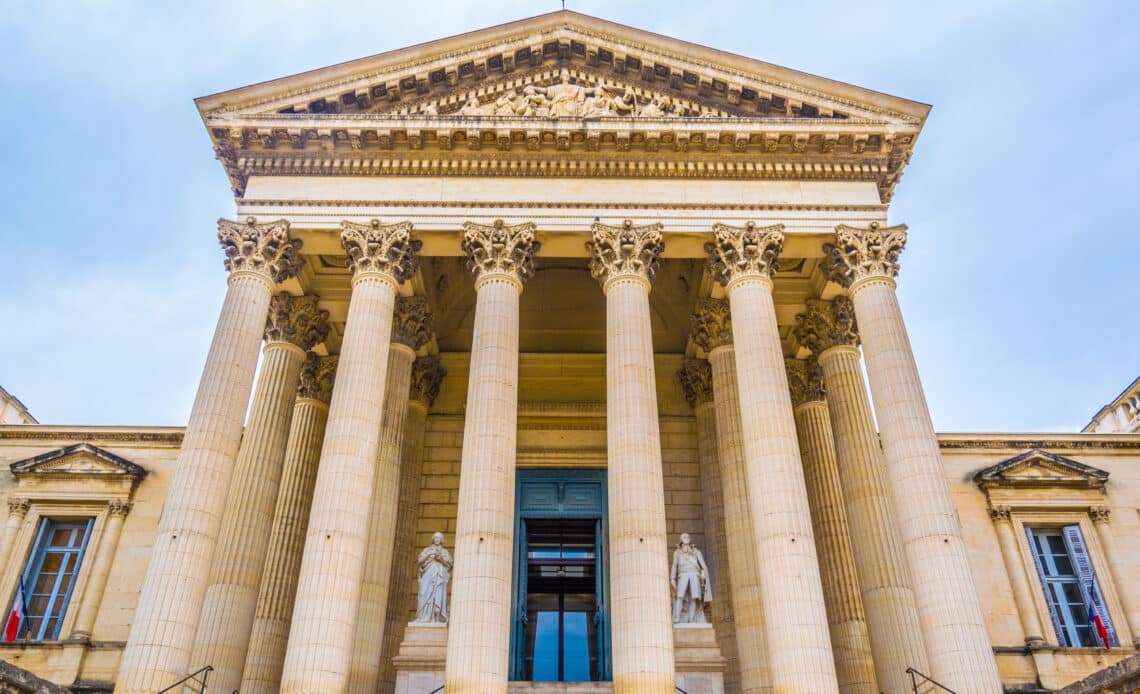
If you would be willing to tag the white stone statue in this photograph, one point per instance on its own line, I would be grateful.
(566, 99)
(435, 570)
(690, 580)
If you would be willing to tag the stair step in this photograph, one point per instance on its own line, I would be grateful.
(561, 688)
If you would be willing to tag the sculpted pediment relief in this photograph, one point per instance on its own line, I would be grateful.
(1041, 468)
(79, 459)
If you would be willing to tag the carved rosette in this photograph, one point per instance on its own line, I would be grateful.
(1000, 513)
(18, 507)
(827, 324)
(317, 377)
(381, 249)
(747, 251)
(412, 322)
(805, 380)
(859, 254)
(695, 376)
(263, 249)
(297, 320)
(625, 251)
(711, 324)
(119, 508)
(427, 377)
(500, 249)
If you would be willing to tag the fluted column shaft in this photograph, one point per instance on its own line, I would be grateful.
(884, 578)
(166, 619)
(101, 570)
(1126, 588)
(854, 666)
(743, 569)
(1018, 580)
(367, 646)
(17, 511)
(270, 633)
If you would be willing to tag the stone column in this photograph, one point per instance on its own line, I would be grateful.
(1125, 587)
(624, 259)
(427, 377)
(117, 510)
(411, 330)
(827, 328)
(294, 326)
(328, 589)
(712, 332)
(17, 511)
(1018, 580)
(865, 261)
(166, 619)
(854, 667)
(799, 646)
(501, 259)
(270, 634)
(697, 382)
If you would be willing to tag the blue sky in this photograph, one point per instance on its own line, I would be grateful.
(1018, 284)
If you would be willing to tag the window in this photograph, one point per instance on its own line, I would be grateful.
(50, 575)
(1071, 589)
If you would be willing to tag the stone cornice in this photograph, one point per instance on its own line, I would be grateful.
(1050, 442)
(156, 437)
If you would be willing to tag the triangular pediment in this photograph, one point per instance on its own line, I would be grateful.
(79, 459)
(1037, 468)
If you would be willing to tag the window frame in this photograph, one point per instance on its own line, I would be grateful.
(1059, 605)
(33, 568)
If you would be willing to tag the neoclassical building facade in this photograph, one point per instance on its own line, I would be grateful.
(506, 315)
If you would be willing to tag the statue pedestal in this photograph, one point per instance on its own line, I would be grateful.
(700, 666)
(421, 660)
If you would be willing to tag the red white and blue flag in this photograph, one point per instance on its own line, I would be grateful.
(17, 616)
(1097, 622)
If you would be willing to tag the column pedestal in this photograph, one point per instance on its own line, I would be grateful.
(697, 659)
(421, 661)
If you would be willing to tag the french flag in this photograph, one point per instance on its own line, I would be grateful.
(17, 616)
(1097, 622)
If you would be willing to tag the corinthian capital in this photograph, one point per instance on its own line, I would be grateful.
(747, 251)
(317, 377)
(827, 324)
(119, 507)
(18, 506)
(696, 380)
(500, 249)
(427, 377)
(296, 320)
(861, 253)
(805, 380)
(625, 251)
(264, 249)
(712, 324)
(385, 249)
(412, 323)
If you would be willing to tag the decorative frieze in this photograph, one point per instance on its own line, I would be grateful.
(858, 254)
(427, 377)
(317, 376)
(264, 249)
(385, 249)
(805, 380)
(413, 324)
(500, 249)
(747, 251)
(297, 320)
(695, 376)
(625, 251)
(711, 324)
(827, 324)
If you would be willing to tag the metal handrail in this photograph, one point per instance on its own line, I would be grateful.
(204, 672)
(925, 678)
(438, 689)
(679, 689)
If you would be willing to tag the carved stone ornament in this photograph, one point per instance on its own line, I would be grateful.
(412, 322)
(827, 324)
(861, 253)
(1100, 514)
(265, 249)
(296, 320)
(712, 324)
(387, 249)
(805, 380)
(18, 507)
(625, 251)
(500, 249)
(427, 377)
(1000, 513)
(744, 251)
(119, 507)
(317, 377)
(696, 381)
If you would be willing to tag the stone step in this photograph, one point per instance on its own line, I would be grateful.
(561, 688)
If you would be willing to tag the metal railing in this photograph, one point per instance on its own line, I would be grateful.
(193, 676)
(914, 681)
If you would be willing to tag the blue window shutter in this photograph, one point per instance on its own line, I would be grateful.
(1090, 589)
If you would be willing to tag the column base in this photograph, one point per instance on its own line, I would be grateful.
(422, 659)
(700, 665)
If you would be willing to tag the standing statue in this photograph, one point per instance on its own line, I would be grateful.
(435, 570)
(690, 580)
